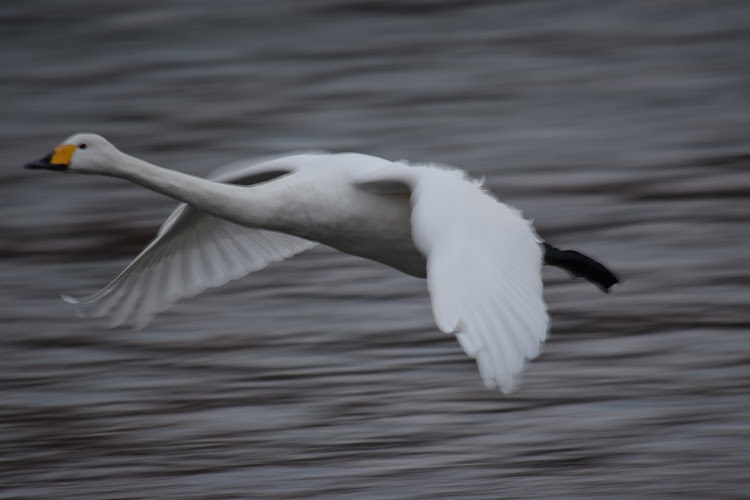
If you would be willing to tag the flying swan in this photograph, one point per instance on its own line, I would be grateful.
(481, 258)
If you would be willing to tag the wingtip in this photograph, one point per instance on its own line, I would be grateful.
(506, 387)
(69, 300)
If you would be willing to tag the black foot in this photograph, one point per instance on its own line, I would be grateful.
(581, 266)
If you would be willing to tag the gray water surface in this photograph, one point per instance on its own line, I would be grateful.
(622, 128)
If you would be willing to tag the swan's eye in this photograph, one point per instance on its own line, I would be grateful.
(82, 146)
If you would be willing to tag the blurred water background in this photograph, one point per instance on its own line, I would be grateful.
(621, 127)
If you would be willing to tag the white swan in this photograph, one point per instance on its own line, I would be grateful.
(481, 258)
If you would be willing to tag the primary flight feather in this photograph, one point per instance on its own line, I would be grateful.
(480, 257)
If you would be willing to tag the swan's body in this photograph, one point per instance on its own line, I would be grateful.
(481, 258)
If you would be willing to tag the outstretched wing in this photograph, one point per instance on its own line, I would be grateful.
(483, 268)
(192, 251)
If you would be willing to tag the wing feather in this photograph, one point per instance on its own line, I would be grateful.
(483, 273)
(192, 251)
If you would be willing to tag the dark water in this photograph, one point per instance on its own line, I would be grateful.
(623, 128)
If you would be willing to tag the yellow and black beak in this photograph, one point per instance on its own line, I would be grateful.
(58, 160)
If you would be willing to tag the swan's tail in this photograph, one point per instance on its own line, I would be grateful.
(581, 266)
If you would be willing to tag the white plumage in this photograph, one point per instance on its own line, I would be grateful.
(481, 258)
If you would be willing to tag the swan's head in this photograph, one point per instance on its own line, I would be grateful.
(82, 153)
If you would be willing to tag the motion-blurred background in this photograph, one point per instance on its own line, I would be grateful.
(622, 128)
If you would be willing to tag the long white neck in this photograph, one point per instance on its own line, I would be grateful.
(244, 205)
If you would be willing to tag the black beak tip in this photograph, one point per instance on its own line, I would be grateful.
(34, 165)
(44, 164)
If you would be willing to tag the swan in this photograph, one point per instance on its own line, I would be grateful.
(481, 259)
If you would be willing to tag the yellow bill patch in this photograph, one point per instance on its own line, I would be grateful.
(63, 154)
